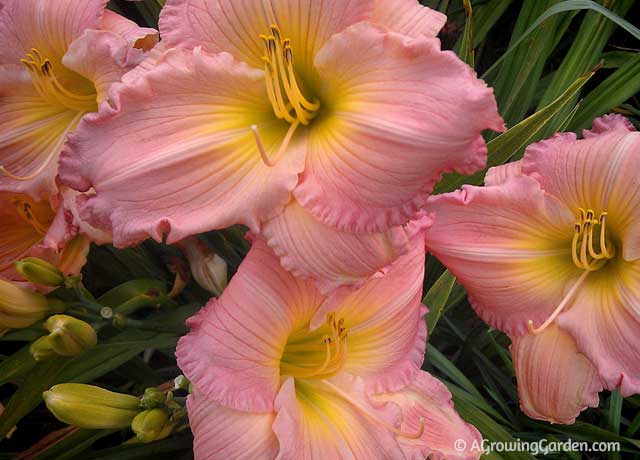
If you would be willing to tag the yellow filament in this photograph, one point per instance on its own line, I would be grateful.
(25, 211)
(365, 412)
(281, 149)
(282, 86)
(49, 87)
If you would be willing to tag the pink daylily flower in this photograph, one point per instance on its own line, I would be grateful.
(38, 228)
(554, 239)
(350, 105)
(57, 61)
(282, 371)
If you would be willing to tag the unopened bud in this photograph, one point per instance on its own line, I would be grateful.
(20, 307)
(152, 425)
(182, 383)
(87, 406)
(208, 268)
(153, 398)
(70, 336)
(42, 349)
(40, 271)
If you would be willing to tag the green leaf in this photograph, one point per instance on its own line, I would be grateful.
(491, 430)
(519, 75)
(29, 394)
(445, 366)
(16, 365)
(72, 445)
(614, 90)
(567, 5)
(508, 144)
(165, 449)
(466, 51)
(436, 298)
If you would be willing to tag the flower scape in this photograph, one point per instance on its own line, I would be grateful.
(228, 228)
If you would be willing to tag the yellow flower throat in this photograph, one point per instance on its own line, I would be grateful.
(319, 354)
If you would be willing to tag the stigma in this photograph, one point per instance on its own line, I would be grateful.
(287, 100)
(590, 252)
(49, 88)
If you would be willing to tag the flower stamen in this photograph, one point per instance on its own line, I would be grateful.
(49, 87)
(587, 257)
(25, 211)
(282, 86)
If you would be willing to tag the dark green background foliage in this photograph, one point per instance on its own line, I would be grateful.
(539, 55)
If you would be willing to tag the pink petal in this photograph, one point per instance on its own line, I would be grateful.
(555, 381)
(605, 323)
(47, 25)
(224, 434)
(175, 154)
(317, 421)
(233, 351)
(499, 174)
(384, 319)
(408, 17)
(101, 57)
(598, 173)
(32, 135)
(225, 25)
(332, 258)
(143, 38)
(609, 122)
(427, 400)
(509, 246)
(402, 113)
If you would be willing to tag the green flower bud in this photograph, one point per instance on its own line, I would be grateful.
(91, 407)
(40, 272)
(20, 307)
(70, 336)
(153, 398)
(152, 425)
(182, 383)
(42, 349)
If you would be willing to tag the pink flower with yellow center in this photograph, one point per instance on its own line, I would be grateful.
(282, 371)
(351, 105)
(38, 228)
(549, 252)
(57, 61)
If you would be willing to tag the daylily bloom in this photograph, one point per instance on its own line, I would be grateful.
(352, 99)
(38, 228)
(554, 239)
(280, 370)
(57, 61)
